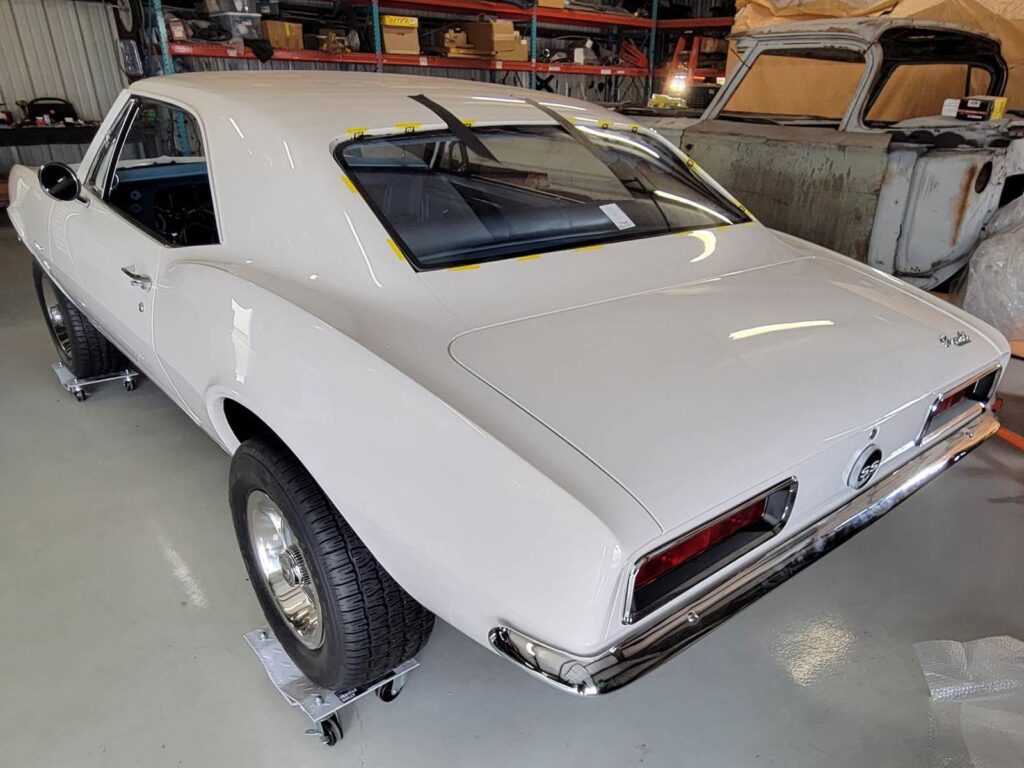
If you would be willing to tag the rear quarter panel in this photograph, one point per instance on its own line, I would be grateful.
(468, 527)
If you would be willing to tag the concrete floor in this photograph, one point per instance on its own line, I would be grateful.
(123, 602)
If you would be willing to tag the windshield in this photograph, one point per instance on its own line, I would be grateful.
(800, 86)
(541, 189)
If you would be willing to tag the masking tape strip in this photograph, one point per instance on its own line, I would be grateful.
(396, 249)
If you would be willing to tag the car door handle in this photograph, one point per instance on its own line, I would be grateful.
(142, 281)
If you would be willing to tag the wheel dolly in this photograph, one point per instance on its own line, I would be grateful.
(321, 705)
(80, 387)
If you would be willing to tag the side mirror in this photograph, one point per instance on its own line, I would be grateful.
(59, 181)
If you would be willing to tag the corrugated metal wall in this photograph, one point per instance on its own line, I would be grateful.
(58, 48)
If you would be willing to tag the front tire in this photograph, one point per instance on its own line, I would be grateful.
(81, 347)
(340, 616)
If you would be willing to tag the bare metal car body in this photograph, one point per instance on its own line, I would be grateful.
(910, 198)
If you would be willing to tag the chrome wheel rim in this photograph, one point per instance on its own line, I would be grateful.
(284, 569)
(56, 318)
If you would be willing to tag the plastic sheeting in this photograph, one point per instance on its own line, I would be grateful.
(959, 671)
(834, 9)
(995, 277)
(977, 693)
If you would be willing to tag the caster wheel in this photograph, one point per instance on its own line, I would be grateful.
(129, 385)
(80, 395)
(331, 731)
(388, 691)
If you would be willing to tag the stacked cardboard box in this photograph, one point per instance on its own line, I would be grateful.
(456, 44)
(401, 34)
(283, 35)
(496, 39)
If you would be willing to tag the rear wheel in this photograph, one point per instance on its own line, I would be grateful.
(83, 349)
(340, 616)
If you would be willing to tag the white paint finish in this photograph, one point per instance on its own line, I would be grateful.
(102, 618)
(484, 513)
(685, 392)
(100, 244)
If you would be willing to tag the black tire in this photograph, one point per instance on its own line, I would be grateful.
(128, 18)
(84, 350)
(370, 624)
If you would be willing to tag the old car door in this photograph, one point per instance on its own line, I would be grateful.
(144, 200)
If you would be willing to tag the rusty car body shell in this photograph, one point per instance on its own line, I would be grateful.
(911, 199)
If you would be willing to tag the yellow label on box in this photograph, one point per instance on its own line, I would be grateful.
(399, 21)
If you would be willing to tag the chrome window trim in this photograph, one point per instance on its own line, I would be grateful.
(109, 147)
(629, 616)
(132, 108)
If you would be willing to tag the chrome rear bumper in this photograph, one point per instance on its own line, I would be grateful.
(654, 645)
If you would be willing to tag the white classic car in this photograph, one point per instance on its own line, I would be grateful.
(505, 360)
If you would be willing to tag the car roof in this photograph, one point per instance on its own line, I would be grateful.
(322, 106)
(868, 29)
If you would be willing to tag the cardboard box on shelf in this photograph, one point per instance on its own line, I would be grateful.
(176, 29)
(520, 53)
(283, 35)
(463, 53)
(401, 34)
(551, 3)
(496, 36)
(455, 38)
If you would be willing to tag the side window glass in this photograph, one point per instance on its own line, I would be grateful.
(161, 181)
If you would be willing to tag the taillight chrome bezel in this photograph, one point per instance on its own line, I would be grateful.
(981, 400)
(786, 491)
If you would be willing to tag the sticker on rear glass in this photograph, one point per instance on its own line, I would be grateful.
(618, 216)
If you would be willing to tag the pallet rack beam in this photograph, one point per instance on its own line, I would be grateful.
(705, 23)
(536, 16)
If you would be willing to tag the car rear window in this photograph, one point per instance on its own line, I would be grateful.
(541, 189)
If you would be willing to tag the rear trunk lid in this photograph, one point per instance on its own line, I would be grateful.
(697, 396)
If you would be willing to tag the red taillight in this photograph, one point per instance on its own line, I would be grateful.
(668, 572)
(950, 400)
(685, 550)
